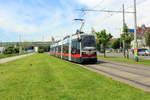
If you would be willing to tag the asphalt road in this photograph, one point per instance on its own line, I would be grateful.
(135, 75)
(121, 55)
(13, 58)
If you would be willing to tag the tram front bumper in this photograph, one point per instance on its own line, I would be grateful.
(89, 59)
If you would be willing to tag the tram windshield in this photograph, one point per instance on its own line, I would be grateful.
(88, 41)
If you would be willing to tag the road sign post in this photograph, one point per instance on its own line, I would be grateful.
(136, 51)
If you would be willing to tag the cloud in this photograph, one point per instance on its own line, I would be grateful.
(90, 3)
(29, 20)
(112, 22)
(54, 18)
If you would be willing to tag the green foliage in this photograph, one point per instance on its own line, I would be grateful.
(40, 50)
(147, 38)
(115, 44)
(44, 49)
(125, 28)
(103, 39)
(11, 55)
(16, 50)
(11, 50)
(130, 61)
(127, 37)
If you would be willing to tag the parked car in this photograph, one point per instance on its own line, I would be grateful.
(147, 52)
(142, 52)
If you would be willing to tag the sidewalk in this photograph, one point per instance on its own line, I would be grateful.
(13, 58)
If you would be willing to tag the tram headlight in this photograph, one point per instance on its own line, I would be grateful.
(83, 53)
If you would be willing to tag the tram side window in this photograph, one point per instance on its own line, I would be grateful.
(78, 47)
(56, 48)
(59, 49)
(75, 47)
(66, 48)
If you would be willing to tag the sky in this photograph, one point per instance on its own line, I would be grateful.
(39, 20)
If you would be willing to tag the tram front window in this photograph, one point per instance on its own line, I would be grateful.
(88, 42)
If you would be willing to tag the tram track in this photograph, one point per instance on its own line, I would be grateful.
(128, 65)
(129, 70)
(136, 78)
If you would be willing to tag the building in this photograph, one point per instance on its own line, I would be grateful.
(141, 31)
(2, 50)
(36, 49)
(141, 44)
(140, 36)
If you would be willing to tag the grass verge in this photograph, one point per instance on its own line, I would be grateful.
(43, 77)
(10, 55)
(132, 61)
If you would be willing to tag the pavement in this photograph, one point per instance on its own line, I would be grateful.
(137, 76)
(13, 58)
(121, 55)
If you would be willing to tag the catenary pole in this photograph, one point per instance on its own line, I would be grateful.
(135, 33)
(123, 31)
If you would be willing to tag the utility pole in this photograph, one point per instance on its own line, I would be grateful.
(1, 43)
(20, 48)
(135, 34)
(135, 25)
(1, 46)
(124, 50)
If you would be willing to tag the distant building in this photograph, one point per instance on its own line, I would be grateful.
(2, 50)
(36, 49)
(140, 36)
(141, 31)
(141, 44)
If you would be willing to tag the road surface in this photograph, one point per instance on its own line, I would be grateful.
(13, 58)
(137, 76)
(121, 55)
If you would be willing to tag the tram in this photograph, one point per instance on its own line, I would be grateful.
(79, 48)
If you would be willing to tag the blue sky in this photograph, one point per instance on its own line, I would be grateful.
(37, 20)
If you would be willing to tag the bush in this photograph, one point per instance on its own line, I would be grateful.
(16, 50)
(9, 50)
(41, 51)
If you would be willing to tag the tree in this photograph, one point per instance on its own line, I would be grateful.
(147, 38)
(115, 44)
(9, 50)
(103, 39)
(40, 50)
(127, 37)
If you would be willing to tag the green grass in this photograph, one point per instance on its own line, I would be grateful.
(132, 61)
(9, 55)
(42, 77)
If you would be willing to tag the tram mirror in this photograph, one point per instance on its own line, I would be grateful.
(79, 39)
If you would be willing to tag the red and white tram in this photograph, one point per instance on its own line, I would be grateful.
(78, 48)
